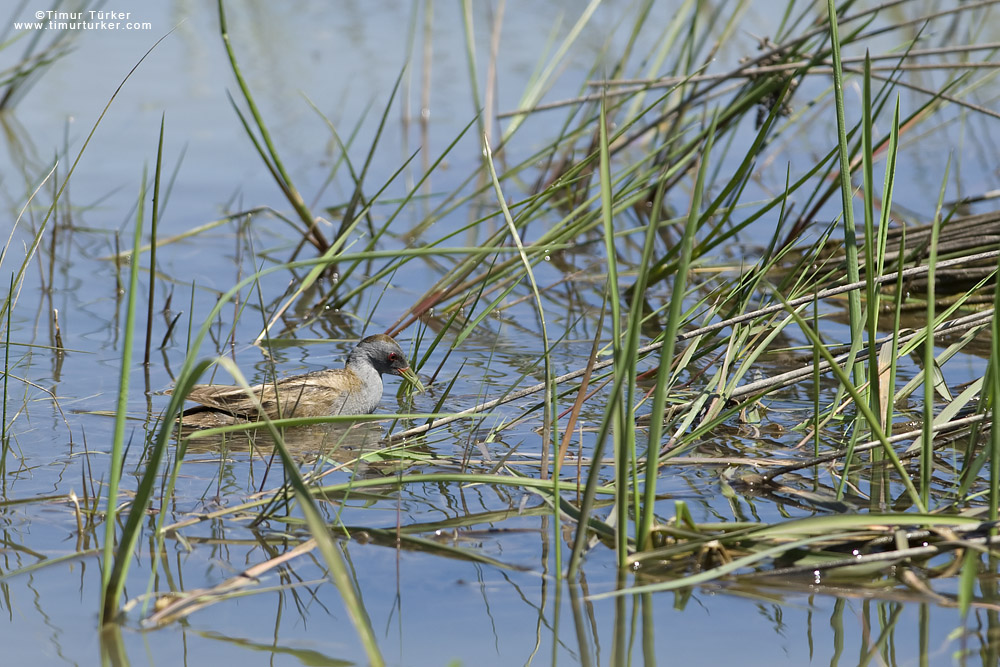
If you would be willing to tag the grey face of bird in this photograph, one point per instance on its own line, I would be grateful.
(387, 357)
(384, 354)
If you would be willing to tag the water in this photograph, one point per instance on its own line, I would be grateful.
(495, 599)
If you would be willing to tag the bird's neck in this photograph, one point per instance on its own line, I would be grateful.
(363, 368)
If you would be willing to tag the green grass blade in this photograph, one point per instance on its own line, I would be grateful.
(927, 441)
(847, 200)
(113, 579)
(673, 325)
(283, 178)
(549, 405)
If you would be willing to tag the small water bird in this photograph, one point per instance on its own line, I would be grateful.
(353, 390)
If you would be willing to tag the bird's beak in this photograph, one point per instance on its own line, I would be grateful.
(411, 377)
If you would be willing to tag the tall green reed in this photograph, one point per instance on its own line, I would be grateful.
(673, 325)
(113, 578)
(154, 223)
(855, 314)
(265, 145)
(993, 402)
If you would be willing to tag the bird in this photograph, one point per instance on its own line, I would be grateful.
(353, 390)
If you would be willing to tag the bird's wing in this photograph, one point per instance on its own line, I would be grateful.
(296, 395)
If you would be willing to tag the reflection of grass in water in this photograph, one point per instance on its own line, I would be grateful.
(657, 179)
(42, 48)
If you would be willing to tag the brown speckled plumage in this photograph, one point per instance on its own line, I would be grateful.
(353, 390)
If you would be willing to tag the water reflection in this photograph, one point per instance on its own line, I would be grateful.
(339, 440)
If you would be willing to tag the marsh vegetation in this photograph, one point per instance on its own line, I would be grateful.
(706, 323)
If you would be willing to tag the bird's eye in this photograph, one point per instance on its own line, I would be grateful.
(393, 356)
